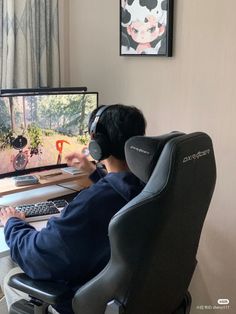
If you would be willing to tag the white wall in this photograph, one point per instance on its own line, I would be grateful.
(193, 91)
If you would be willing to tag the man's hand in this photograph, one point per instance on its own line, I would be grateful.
(81, 162)
(8, 212)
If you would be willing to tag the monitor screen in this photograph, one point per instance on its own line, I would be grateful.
(39, 128)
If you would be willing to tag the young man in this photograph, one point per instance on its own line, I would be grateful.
(75, 247)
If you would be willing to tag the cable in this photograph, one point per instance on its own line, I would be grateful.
(65, 187)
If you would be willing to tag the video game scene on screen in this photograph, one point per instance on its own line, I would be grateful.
(41, 130)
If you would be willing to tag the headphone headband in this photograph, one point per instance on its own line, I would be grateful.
(93, 127)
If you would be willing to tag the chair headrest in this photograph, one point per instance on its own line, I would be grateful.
(143, 152)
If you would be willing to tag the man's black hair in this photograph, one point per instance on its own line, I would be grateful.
(119, 123)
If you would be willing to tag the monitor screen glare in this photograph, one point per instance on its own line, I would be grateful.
(37, 131)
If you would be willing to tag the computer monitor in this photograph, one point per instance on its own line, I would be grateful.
(39, 127)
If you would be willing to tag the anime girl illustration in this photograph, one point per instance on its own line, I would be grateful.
(143, 26)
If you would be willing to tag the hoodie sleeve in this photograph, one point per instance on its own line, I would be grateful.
(58, 251)
(39, 254)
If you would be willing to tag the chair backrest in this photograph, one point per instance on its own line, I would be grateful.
(154, 238)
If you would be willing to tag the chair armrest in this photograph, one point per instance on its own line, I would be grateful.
(47, 291)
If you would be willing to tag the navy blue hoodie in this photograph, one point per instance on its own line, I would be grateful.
(74, 247)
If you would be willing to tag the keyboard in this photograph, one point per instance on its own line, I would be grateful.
(42, 210)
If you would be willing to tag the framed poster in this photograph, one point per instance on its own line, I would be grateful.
(146, 27)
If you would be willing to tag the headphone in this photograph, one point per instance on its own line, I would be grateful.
(99, 146)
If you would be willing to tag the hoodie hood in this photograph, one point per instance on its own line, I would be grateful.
(125, 183)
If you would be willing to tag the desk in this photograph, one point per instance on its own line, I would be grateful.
(43, 192)
(46, 178)
(4, 249)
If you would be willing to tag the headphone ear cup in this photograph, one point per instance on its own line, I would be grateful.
(99, 147)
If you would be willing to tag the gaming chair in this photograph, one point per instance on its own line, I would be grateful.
(154, 238)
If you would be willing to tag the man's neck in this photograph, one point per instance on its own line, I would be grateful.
(113, 164)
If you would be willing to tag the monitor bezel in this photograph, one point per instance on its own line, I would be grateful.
(41, 91)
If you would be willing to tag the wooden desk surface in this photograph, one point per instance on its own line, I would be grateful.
(46, 178)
